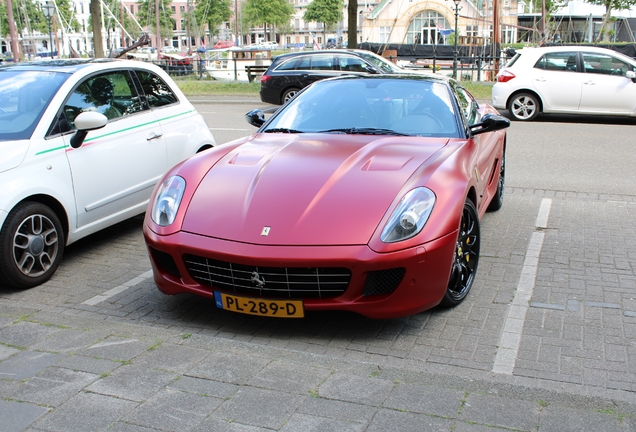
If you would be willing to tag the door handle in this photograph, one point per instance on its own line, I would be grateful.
(589, 83)
(154, 136)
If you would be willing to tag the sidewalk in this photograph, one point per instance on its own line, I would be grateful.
(74, 373)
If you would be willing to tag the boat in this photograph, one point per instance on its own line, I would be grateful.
(229, 64)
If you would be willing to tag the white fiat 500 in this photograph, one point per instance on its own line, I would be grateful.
(82, 144)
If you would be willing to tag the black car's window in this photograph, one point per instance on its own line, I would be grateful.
(322, 62)
(558, 61)
(24, 95)
(605, 64)
(112, 94)
(352, 63)
(158, 93)
(292, 64)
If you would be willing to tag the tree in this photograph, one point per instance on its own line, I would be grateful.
(352, 22)
(274, 12)
(147, 17)
(327, 12)
(213, 13)
(609, 6)
(96, 23)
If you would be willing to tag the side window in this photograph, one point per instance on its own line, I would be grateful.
(290, 65)
(158, 93)
(111, 94)
(605, 64)
(468, 106)
(322, 62)
(557, 61)
(352, 64)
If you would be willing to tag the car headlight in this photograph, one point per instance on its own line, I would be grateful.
(410, 215)
(167, 200)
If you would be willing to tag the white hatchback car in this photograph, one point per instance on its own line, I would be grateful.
(82, 144)
(566, 80)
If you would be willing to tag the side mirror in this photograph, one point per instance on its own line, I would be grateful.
(86, 122)
(490, 123)
(631, 75)
(255, 117)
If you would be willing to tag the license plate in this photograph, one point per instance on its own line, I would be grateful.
(260, 307)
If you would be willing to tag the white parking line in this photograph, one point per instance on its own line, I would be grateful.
(121, 288)
(513, 326)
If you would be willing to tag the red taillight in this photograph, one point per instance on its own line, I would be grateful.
(505, 76)
(264, 78)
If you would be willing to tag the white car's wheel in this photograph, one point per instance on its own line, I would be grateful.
(31, 245)
(524, 107)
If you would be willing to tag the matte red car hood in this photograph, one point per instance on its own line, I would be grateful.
(286, 189)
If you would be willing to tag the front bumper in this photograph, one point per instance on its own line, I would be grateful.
(427, 269)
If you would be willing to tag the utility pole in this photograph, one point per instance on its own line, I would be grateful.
(158, 28)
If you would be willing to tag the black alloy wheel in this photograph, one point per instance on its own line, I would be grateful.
(31, 245)
(465, 259)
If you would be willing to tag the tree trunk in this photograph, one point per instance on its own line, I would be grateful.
(608, 13)
(352, 35)
(96, 22)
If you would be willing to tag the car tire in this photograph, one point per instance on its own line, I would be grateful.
(465, 258)
(31, 245)
(288, 94)
(524, 107)
(497, 199)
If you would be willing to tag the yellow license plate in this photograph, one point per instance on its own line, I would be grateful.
(260, 307)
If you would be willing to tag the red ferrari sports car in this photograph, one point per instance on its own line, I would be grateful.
(361, 194)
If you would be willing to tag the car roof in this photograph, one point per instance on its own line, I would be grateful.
(397, 76)
(561, 48)
(327, 51)
(65, 65)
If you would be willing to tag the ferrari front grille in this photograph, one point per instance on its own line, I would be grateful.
(165, 262)
(281, 282)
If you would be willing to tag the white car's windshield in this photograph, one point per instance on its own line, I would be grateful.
(24, 95)
(382, 63)
(370, 106)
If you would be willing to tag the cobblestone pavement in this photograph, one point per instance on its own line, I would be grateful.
(103, 349)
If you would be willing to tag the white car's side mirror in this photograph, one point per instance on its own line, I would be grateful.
(85, 122)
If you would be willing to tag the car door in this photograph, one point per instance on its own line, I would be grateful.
(605, 88)
(558, 82)
(116, 168)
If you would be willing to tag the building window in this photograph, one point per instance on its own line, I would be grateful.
(182, 8)
(173, 9)
(132, 9)
(385, 32)
(425, 28)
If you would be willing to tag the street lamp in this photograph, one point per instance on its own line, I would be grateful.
(457, 8)
(49, 11)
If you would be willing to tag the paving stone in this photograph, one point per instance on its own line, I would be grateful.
(6, 352)
(218, 425)
(17, 415)
(395, 421)
(133, 382)
(307, 423)
(257, 407)
(228, 367)
(346, 411)
(24, 333)
(172, 410)
(290, 376)
(501, 412)
(351, 388)
(115, 348)
(26, 364)
(86, 412)
(556, 418)
(89, 364)
(174, 358)
(68, 340)
(53, 386)
(425, 400)
(203, 386)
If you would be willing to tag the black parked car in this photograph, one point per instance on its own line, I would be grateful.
(292, 72)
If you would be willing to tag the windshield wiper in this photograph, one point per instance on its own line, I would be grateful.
(367, 131)
(282, 130)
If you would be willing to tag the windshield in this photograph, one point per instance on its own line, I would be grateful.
(381, 63)
(24, 95)
(387, 106)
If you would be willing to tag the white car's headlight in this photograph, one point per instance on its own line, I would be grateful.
(167, 200)
(410, 215)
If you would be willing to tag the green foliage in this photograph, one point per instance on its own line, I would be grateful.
(328, 12)
(213, 13)
(276, 12)
(147, 17)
